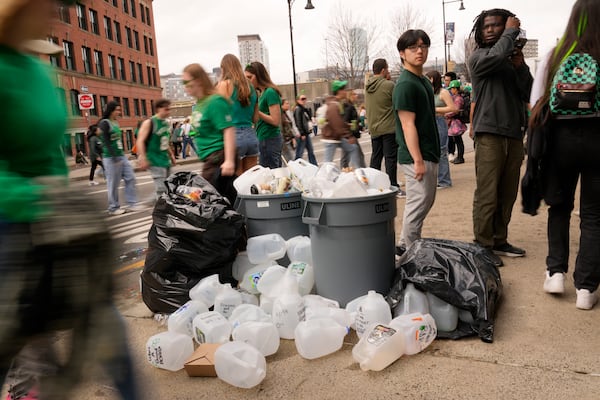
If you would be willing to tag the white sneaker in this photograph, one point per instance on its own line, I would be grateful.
(451, 157)
(93, 183)
(585, 299)
(554, 284)
(137, 207)
(118, 211)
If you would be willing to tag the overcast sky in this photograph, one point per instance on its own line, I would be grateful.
(203, 31)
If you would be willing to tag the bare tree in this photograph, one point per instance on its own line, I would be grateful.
(350, 42)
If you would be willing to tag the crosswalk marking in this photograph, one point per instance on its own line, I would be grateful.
(131, 227)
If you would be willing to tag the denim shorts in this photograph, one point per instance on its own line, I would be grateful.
(246, 141)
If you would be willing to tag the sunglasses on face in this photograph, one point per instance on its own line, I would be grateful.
(302, 98)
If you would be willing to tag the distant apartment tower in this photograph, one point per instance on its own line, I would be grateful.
(252, 48)
(173, 88)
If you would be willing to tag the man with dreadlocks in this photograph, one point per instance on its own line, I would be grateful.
(501, 87)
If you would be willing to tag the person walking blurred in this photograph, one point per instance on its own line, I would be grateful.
(176, 139)
(303, 121)
(289, 131)
(351, 118)
(235, 86)
(188, 140)
(95, 147)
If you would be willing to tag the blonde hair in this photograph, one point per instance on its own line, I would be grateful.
(231, 69)
(198, 73)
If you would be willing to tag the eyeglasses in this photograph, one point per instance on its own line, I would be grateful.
(415, 47)
(185, 83)
(302, 98)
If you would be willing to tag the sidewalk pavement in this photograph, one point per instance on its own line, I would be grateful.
(544, 348)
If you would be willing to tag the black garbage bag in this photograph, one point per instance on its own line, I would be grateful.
(457, 272)
(188, 241)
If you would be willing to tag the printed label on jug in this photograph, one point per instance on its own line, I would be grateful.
(298, 268)
(155, 356)
(425, 334)
(200, 338)
(254, 279)
(380, 334)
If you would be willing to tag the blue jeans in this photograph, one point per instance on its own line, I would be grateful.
(270, 152)
(188, 141)
(117, 168)
(159, 176)
(246, 141)
(443, 167)
(351, 149)
(305, 142)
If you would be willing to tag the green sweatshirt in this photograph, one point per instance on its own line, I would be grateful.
(378, 101)
(31, 107)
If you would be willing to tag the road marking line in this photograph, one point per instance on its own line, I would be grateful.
(144, 228)
(130, 267)
(131, 222)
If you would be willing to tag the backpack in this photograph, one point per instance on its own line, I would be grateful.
(464, 113)
(574, 92)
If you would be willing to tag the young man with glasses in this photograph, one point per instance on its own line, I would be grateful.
(302, 118)
(416, 134)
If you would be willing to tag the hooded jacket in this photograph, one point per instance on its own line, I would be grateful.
(380, 111)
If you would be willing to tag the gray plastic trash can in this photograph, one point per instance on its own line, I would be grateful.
(353, 244)
(273, 213)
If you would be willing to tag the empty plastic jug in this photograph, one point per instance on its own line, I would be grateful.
(247, 312)
(412, 301)
(305, 275)
(211, 327)
(227, 299)
(298, 249)
(262, 335)
(288, 308)
(266, 304)
(252, 276)
(181, 320)
(419, 331)
(319, 337)
(240, 364)
(206, 290)
(352, 307)
(377, 179)
(269, 282)
(248, 298)
(302, 171)
(240, 265)
(372, 309)
(339, 315)
(444, 313)
(263, 248)
(254, 176)
(169, 350)
(347, 185)
(380, 346)
(314, 300)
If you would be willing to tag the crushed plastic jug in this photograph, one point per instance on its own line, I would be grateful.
(372, 309)
(252, 276)
(304, 274)
(319, 337)
(269, 282)
(240, 364)
(206, 290)
(419, 331)
(227, 299)
(169, 350)
(241, 264)
(288, 308)
(298, 249)
(248, 312)
(379, 347)
(211, 327)
(339, 315)
(314, 300)
(264, 248)
(181, 320)
(262, 335)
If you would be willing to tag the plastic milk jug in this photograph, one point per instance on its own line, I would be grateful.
(305, 275)
(266, 304)
(379, 346)
(263, 248)
(419, 331)
(252, 276)
(412, 301)
(254, 176)
(262, 335)
(248, 298)
(227, 299)
(339, 315)
(314, 300)
(373, 309)
(211, 327)
(240, 265)
(352, 307)
(206, 290)
(247, 312)
(298, 249)
(269, 282)
(240, 364)
(181, 320)
(288, 308)
(319, 337)
(169, 350)
(444, 313)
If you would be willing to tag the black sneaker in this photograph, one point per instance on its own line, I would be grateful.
(494, 259)
(508, 250)
(458, 161)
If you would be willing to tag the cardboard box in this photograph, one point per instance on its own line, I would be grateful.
(202, 362)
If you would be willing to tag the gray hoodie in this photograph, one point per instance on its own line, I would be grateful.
(380, 110)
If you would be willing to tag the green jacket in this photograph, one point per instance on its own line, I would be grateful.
(378, 101)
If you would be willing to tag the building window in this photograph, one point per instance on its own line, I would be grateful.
(75, 111)
(69, 55)
(86, 56)
(136, 107)
(115, 3)
(140, 74)
(144, 109)
(148, 16)
(125, 107)
(132, 71)
(125, 6)
(112, 66)
(133, 12)
(99, 62)
(151, 46)
(149, 74)
(118, 38)
(103, 103)
(108, 28)
(94, 22)
(128, 37)
(136, 40)
(94, 111)
(121, 66)
(153, 77)
(81, 18)
(54, 58)
(64, 15)
(142, 13)
(146, 44)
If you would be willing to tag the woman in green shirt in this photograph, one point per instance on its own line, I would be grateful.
(215, 132)
(269, 112)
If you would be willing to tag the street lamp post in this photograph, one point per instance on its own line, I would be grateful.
(462, 7)
(309, 6)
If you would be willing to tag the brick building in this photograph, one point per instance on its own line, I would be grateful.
(109, 53)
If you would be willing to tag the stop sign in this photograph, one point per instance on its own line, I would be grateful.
(86, 102)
